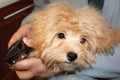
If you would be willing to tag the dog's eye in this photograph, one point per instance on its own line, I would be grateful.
(61, 35)
(83, 40)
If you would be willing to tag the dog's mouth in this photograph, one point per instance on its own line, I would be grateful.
(64, 66)
(68, 66)
(69, 62)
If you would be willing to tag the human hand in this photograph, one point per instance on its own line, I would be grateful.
(32, 67)
(22, 33)
(29, 67)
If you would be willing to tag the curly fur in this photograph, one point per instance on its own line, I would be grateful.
(75, 24)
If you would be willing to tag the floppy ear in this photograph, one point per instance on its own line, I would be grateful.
(38, 33)
(109, 40)
(43, 27)
(104, 43)
(116, 36)
(103, 37)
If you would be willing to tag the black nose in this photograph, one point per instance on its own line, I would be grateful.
(72, 56)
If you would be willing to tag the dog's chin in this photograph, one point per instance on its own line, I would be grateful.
(63, 67)
(67, 67)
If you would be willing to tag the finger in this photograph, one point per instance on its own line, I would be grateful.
(27, 41)
(27, 63)
(13, 39)
(23, 31)
(17, 36)
(22, 64)
(25, 75)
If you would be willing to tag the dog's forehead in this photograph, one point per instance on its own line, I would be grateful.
(68, 28)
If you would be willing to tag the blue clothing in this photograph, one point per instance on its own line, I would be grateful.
(106, 66)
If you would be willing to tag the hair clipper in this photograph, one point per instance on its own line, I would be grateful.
(16, 52)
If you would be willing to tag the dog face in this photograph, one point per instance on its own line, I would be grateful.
(67, 39)
(68, 50)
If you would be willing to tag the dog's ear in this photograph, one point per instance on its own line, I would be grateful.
(103, 37)
(38, 33)
(107, 42)
(104, 43)
(43, 29)
(116, 35)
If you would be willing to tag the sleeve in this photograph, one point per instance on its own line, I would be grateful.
(72, 77)
(111, 12)
(75, 3)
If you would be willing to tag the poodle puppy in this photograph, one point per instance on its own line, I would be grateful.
(67, 39)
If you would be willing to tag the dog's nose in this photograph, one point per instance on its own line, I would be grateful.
(72, 56)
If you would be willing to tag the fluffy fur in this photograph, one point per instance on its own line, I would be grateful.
(59, 30)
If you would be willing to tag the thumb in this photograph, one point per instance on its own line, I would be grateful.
(27, 41)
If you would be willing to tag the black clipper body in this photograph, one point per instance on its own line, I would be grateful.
(17, 52)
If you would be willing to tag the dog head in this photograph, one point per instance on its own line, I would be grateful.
(67, 39)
